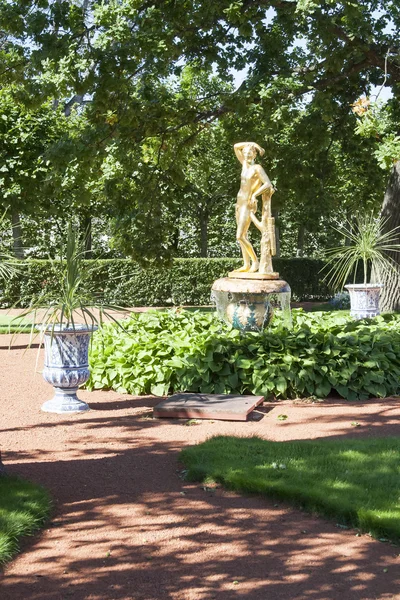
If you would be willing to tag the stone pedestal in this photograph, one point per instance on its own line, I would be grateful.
(247, 275)
(248, 303)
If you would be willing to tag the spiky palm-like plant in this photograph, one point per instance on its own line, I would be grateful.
(8, 265)
(58, 315)
(69, 303)
(368, 244)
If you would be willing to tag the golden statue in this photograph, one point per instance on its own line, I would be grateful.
(254, 182)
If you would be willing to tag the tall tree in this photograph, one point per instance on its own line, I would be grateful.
(25, 136)
(390, 210)
(379, 121)
(124, 55)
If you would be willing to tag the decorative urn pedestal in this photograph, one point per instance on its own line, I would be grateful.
(247, 300)
(364, 299)
(66, 366)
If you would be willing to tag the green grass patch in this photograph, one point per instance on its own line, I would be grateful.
(173, 351)
(24, 508)
(15, 329)
(357, 482)
(10, 324)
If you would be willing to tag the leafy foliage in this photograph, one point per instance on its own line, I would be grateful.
(379, 121)
(182, 351)
(323, 173)
(207, 224)
(354, 481)
(49, 165)
(8, 265)
(340, 301)
(115, 49)
(152, 77)
(35, 154)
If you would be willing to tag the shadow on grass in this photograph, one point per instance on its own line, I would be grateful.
(24, 507)
(354, 481)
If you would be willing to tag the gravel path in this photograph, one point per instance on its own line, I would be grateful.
(127, 527)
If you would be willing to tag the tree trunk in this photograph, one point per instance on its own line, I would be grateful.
(86, 225)
(176, 239)
(275, 214)
(300, 241)
(390, 296)
(18, 248)
(203, 221)
(77, 99)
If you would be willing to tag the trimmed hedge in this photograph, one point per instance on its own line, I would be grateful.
(187, 282)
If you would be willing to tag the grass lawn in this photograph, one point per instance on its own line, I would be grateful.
(9, 324)
(357, 482)
(24, 507)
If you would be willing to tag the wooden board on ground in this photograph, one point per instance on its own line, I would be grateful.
(225, 407)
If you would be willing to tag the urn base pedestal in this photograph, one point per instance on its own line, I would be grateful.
(65, 401)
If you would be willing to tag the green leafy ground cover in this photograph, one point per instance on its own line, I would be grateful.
(355, 481)
(172, 351)
(24, 507)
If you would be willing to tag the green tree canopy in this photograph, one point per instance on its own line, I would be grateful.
(118, 51)
(305, 61)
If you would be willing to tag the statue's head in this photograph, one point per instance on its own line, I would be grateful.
(249, 152)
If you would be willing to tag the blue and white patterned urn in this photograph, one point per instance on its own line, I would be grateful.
(248, 304)
(364, 299)
(66, 366)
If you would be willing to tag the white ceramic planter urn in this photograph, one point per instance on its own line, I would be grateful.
(364, 299)
(66, 366)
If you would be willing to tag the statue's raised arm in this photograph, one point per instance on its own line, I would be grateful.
(239, 147)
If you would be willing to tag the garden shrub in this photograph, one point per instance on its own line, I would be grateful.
(187, 282)
(172, 351)
(340, 301)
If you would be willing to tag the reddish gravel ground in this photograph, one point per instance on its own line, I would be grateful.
(125, 525)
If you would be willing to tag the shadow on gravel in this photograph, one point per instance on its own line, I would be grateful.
(159, 538)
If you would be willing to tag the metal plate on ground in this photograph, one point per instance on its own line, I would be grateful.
(225, 407)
